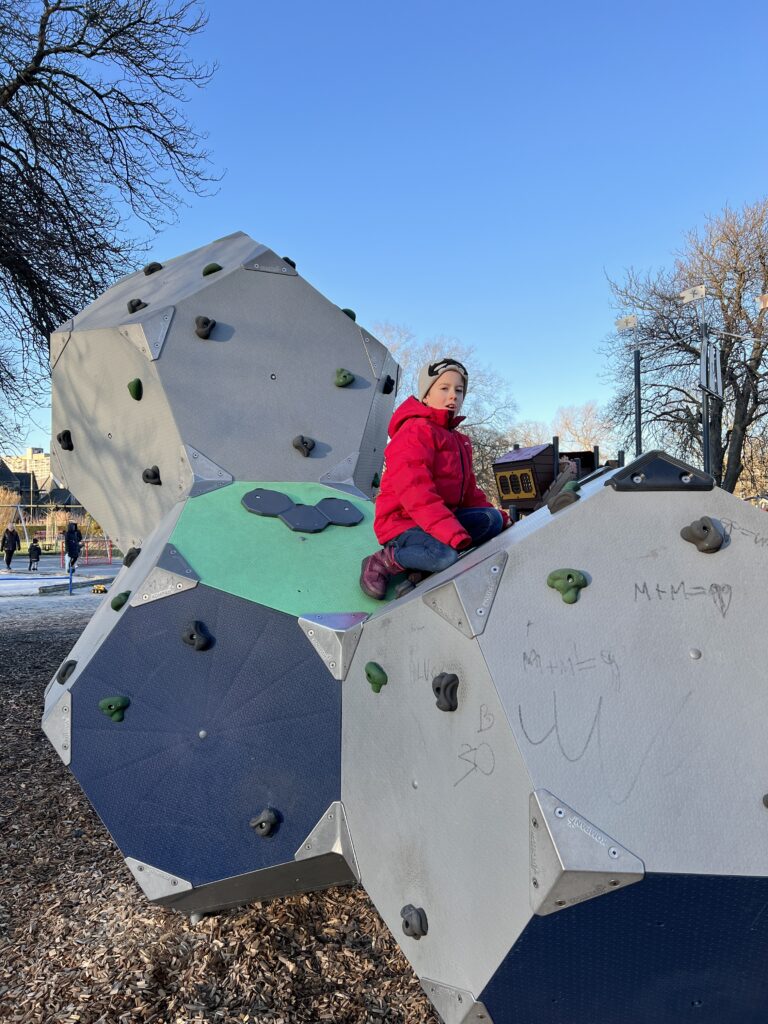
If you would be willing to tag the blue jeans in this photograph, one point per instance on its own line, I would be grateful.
(417, 549)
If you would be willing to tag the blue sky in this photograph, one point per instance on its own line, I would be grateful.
(475, 170)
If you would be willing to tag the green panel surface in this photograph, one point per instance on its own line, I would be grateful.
(261, 559)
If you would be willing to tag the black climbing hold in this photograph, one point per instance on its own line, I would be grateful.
(196, 635)
(304, 519)
(568, 583)
(411, 580)
(415, 924)
(303, 445)
(265, 502)
(388, 385)
(350, 313)
(65, 671)
(64, 437)
(211, 268)
(705, 534)
(289, 261)
(376, 676)
(203, 327)
(151, 476)
(134, 305)
(131, 555)
(152, 268)
(114, 707)
(657, 471)
(135, 389)
(340, 512)
(267, 823)
(376, 482)
(343, 378)
(445, 688)
(120, 599)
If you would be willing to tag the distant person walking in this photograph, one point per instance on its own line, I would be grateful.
(72, 541)
(34, 555)
(11, 543)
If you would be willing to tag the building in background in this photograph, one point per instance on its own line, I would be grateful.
(35, 461)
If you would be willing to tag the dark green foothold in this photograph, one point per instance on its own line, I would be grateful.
(343, 378)
(568, 583)
(572, 485)
(376, 676)
(114, 707)
(135, 389)
(152, 268)
(211, 268)
(119, 600)
(350, 313)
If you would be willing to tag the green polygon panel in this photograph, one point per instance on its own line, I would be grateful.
(297, 573)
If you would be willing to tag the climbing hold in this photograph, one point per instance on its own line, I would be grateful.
(291, 263)
(264, 502)
(568, 583)
(705, 534)
(203, 327)
(196, 635)
(562, 500)
(119, 600)
(64, 437)
(376, 482)
(415, 924)
(152, 476)
(131, 555)
(376, 676)
(152, 268)
(445, 687)
(266, 823)
(65, 671)
(340, 512)
(211, 268)
(407, 585)
(134, 305)
(304, 519)
(388, 385)
(135, 389)
(114, 707)
(343, 378)
(303, 445)
(350, 313)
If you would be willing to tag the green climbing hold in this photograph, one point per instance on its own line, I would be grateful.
(350, 313)
(119, 600)
(211, 268)
(343, 378)
(376, 676)
(114, 707)
(568, 583)
(572, 485)
(136, 389)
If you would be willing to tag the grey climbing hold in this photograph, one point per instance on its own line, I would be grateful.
(705, 534)
(445, 688)
(343, 378)
(304, 519)
(134, 305)
(196, 635)
(339, 512)
(211, 268)
(303, 445)
(152, 476)
(65, 671)
(350, 313)
(152, 268)
(266, 824)
(64, 437)
(203, 327)
(415, 924)
(131, 555)
(136, 389)
(264, 502)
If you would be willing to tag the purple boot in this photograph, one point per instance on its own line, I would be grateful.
(375, 573)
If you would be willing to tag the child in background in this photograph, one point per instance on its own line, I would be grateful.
(34, 555)
(429, 507)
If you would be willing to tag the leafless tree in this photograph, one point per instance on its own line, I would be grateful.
(730, 257)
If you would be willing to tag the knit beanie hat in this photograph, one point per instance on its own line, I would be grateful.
(428, 375)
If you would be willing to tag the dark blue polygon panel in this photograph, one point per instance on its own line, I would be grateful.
(271, 718)
(671, 949)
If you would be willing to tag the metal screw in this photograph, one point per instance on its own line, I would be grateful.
(559, 903)
(65, 711)
(614, 882)
(202, 734)
(638, 478)
(535, 822)
(145, 597)
(613, 852)
(559, 812)
(308, 846)
(65, 746)
(332, 664)
(416, 786)
(695, 653)
(174, 882)
(535, 883)
(194, 455)
(480, 611)
(139, 867)
(179, 586)
(686, 478)
(310, 632)
(330, 817)
(494, 568)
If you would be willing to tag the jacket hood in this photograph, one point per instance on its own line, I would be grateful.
(413, 408)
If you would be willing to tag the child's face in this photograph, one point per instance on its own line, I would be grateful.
(447, 392)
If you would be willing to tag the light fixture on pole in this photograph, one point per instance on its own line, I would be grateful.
(629, 323)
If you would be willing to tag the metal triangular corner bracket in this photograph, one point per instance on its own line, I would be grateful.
(156, 884)
(465, 601)
(57, 726)
(149, 333)
(58, 341)
(330, 835)
(268, 262)
(571, 860)
(335, 637)
(199, 474)
(172, 560)
(161, 583)
(657, 471)
(342, 472)
(455, 1005)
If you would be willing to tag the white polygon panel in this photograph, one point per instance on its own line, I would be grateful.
(643, 705)
(436, 801)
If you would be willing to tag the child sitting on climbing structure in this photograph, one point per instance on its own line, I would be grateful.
(429, 507)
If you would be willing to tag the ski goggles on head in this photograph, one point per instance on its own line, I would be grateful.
(435, 369)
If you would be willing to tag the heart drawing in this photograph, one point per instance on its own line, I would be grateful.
(721, 594)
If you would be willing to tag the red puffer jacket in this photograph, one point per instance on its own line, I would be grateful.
(427, 474)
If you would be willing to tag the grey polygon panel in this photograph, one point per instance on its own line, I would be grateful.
(466, 600)
(148, 331)
(436, 802)
(643, 704)
(335, 638)
(115, 437)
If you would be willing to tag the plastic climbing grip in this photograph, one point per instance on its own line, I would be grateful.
(415, 924)
(705, 534)
(152, 268)
(266, 823)
(376, 676)
(562, 500)
(119, 600)
(134, 305)
(388, 385)
(211, 268)
(445, 688)
(376, 481)
(568, 583)
(350, 313)
(64, 437)
(291, 263)
(131, 555)
(136, 389)
(343, 378)
(66, 671)
(152, 476)
(203, 327)
(114, 707)
(196, 635)
(303, 445)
